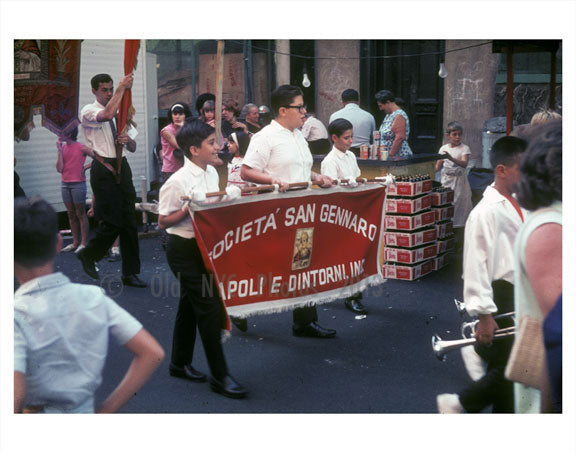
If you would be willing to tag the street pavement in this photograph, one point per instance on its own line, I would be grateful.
(382, 364)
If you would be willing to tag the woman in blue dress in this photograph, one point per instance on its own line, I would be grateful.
(395, 127)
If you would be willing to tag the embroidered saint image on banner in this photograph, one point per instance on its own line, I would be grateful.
(302, 248)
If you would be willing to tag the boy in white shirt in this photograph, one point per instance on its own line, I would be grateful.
(340, 163)
(61, 328)
(488, 273)
(198, 309)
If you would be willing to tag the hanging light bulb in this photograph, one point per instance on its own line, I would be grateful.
(306, 81)
(443, 72)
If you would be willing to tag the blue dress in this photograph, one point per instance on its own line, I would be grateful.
(552, 327)
(387, 135)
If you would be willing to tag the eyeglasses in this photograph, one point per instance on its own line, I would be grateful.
(301, 108)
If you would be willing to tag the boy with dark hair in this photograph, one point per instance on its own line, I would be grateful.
(488, 276)
(279, 154)
(197, 309)
(61, 329)
(340, 163)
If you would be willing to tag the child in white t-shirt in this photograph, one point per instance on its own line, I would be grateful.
(62, 329)
(340, 163)
(454, 175)
(237, 144)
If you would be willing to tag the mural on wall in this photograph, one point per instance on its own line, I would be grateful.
(233, 86)
(46, 76)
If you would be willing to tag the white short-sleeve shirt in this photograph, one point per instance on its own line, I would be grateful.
(190, 178)
(458, 152)
(338, 164)
(61, 332)
(97, 134)
(280, 153)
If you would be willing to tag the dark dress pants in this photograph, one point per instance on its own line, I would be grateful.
(303, 316)
(199, 306)
(493, 388)
(116, 216)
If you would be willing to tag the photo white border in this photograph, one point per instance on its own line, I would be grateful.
(310, 19)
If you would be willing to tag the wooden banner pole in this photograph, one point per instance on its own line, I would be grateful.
(219, 83)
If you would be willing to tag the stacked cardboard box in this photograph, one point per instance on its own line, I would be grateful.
(410, 236)
(442, 199)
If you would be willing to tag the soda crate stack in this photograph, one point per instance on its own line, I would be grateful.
(443, 208)
(410, 248)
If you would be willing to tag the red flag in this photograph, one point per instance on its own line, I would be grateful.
(126, 110)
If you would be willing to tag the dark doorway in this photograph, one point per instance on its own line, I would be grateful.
(411, 73)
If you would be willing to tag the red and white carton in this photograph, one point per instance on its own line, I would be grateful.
(409, 222)
(408, 205)
(442, 198)
(446, 244)
(413, 239)
(444, 228)
(410, 189)
(442, 260)
(413, 255)
(444, 212)
(406, 271)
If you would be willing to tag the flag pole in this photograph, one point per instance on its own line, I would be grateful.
(219, 83)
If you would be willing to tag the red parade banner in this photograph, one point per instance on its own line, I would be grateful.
(275, 252)
(46, 76)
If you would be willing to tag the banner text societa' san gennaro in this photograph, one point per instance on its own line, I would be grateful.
(295, 216)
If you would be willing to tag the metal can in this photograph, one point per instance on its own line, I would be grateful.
(376, 135)
(363, 151)
(374, 152)
(382, 152)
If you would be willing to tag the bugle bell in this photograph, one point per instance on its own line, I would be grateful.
(441, 347)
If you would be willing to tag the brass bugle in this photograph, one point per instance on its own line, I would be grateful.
(472, 325)
(441, 347)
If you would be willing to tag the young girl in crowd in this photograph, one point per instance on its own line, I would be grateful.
(200, 308)
(454, 175)
(237, 144)
(171, 161)
(70, 163)
(207, 113)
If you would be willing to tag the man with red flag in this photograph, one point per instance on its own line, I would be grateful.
(112, 185)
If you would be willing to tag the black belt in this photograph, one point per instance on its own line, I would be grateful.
(111, 160)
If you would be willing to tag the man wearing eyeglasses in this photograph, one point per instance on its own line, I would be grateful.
(279, 154)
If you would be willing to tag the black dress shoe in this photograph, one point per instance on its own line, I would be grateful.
(313, 330)
(187, 372)
(133, 280)
(228, 387)
(355, 305)
(87, 264)
(240, 323)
